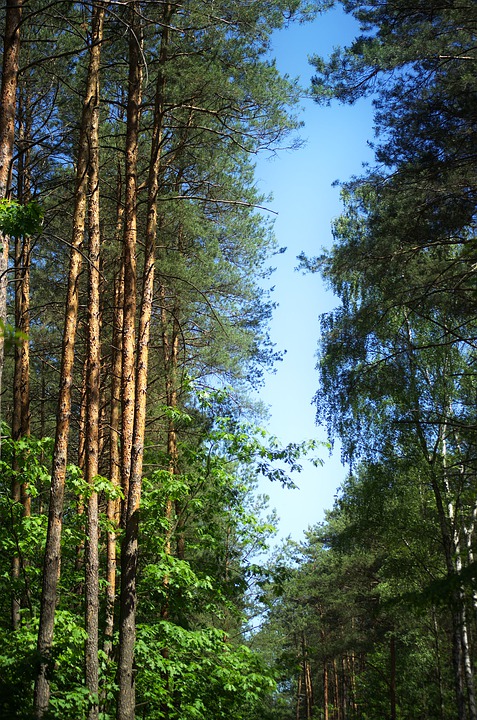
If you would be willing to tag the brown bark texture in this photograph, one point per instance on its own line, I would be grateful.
(52, 559)
(93, 404)
(129, 550)
(21, 378)
(8, 99)
(129, 519)
(113, 505)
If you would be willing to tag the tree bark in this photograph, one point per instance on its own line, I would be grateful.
(129, 551)
(113, 506)
(93, 403)
(21, 380)
(51, 568)
(325, 691)
(129, 519)
(392, 683)
(8, 99)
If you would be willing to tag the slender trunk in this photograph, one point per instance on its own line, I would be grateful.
(469, 539)
(459, 613)
(307, 682)
(129, 257)
(93, 407)
(336, 699)
(298, 697)
(113, 507)
(325, 691)
(130, 520)
(51, 570)
(21, 381)
(392, 683)
(468, 670)
(79, 559)
(8, 93)
(129, 551)
(449, 556)
(435, 629)
(352, 678)
(170, 346)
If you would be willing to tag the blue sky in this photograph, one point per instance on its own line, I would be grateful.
(301, 183)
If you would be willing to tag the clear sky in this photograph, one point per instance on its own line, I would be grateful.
(301, 183)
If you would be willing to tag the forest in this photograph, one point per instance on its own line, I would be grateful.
(136, 277)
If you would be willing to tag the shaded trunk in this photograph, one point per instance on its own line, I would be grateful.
(298, 697)
(392, 683)
(435, 629)
(51, 569)
(454, 564)
(8, 96)
(455, 611)
(113, 507)
(129, 519)
(336, 691)
(326, 691)
(93, 408)
(79, 559)
(307, 681)
(21, 380)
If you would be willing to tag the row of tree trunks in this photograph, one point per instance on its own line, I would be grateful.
(51, 571)
(135, 375)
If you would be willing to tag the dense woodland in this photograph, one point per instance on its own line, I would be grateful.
(136, 256)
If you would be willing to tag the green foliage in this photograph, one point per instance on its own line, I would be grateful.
(201, 675)
(99, 484)
(17, 219)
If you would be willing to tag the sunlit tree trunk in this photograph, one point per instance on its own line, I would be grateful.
(51, 568)
(129, 551)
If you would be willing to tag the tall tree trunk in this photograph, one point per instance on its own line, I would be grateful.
(8, 93)
(129, 519)
(307, 681)
(456, 618)
(298, 696)
(170, 349)
(435, 629)
(21, 380)
(392, 683)
(336, 688)
(326, 691)
(51, 568)
(459, 611)
(93, 406)
(129, 551)
(113, 506)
